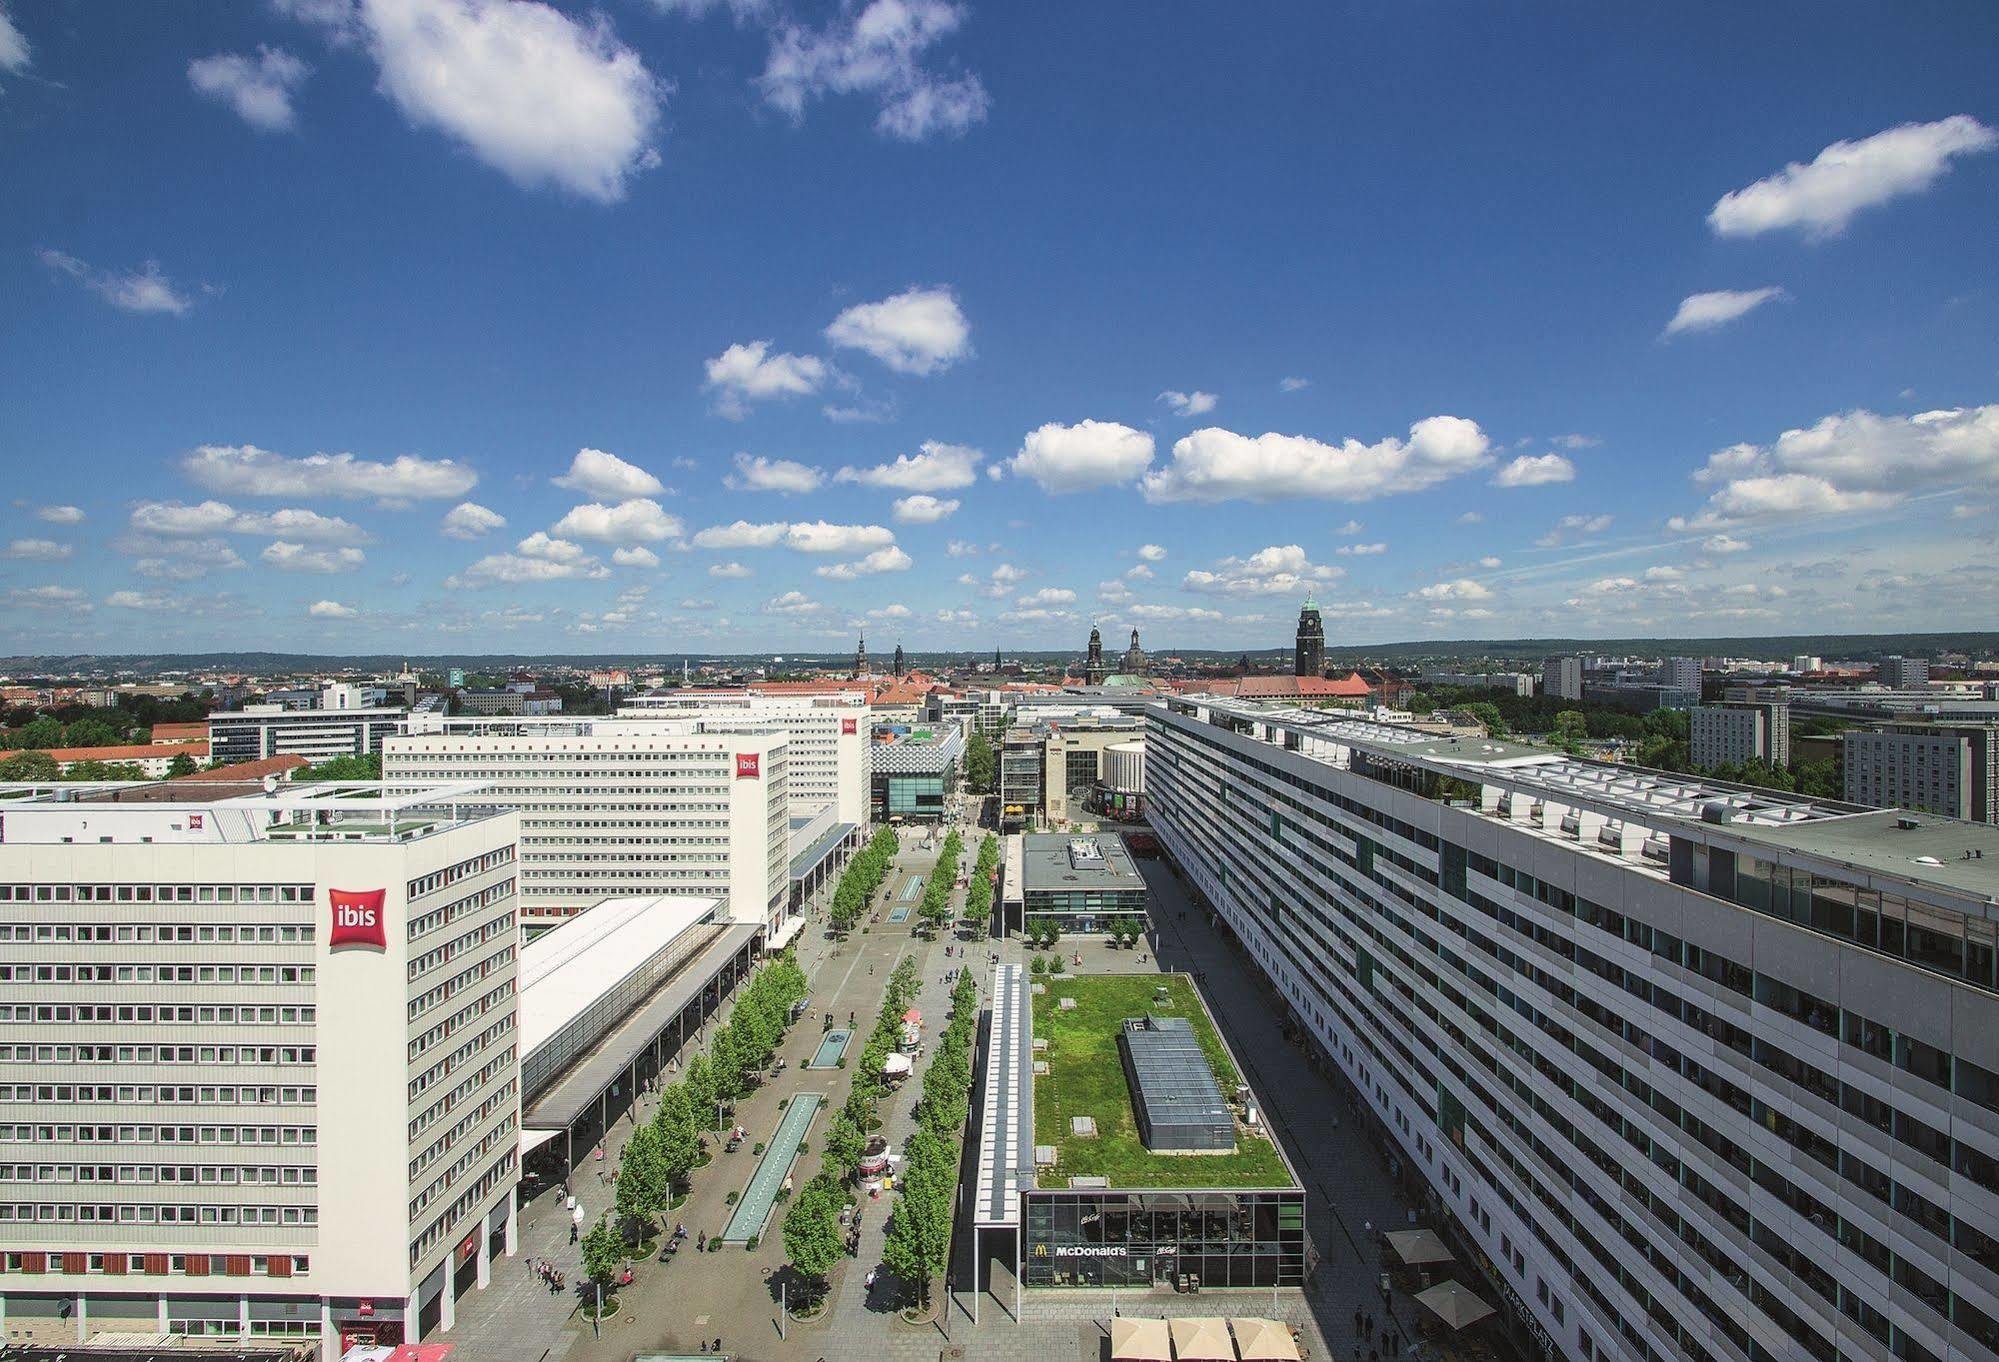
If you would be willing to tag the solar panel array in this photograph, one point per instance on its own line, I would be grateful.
(1173, 1091)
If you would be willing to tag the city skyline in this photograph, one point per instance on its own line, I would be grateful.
(737, 328)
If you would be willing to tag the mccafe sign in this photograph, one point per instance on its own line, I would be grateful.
(358, 918)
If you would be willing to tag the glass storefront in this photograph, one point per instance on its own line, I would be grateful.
(1143, 1239)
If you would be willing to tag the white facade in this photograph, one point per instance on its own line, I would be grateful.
(619, 808)
(1643, 1038)
(1726, 735)
(827, 749)
(1905, 673)
(1124, 767)
(216, 1117)
(1910, 766)
(1681, 673)
(1520, 683)
(1563, 677)
(258, 731)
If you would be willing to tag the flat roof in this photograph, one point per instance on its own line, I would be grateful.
(1006, 1116)
(804, 860)
(565, 970)
(1877, 841)
(318, 811)
(1055, 861)
(1179, 1104)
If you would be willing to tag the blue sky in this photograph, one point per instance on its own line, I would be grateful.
(455, 325)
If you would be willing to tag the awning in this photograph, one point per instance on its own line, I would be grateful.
(1202, 1340)
(532, 1140)
(1417, 1247)
(1454, 1304)
(810, 858)
(785, 935)
(896, 1064)
(1140, 1340)
(1264, 1340)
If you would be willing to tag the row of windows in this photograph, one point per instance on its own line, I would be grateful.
(434, 919)
(166, 1094)
(451, 874)
(157, 974)
(269, 933)
(222, 1174)
(69, 1212)
(162, 1264)
(155, 893)
(159, 1054)
(24, 1133)
(467, 1201)
(125, 1014)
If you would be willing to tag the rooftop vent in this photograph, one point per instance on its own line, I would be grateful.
(1905, 823)
(1714, 811)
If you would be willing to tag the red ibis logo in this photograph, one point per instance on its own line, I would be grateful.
(358, 919)
(748, 765)
(850, 726)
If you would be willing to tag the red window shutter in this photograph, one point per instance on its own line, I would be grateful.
(236, 1265)
(77, 1263)
(157, 1264)
(197, 1265)
(34, 1262)
(278, 1265)
(114, 1264)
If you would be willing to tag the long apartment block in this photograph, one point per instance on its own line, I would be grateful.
(827, 756)
(259, 1078)
(1706, 1072)
(621, 808)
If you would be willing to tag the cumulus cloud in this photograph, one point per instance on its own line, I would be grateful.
(155, 601)
(962, 548)
(46, 598)
(729, 571)
(1279, 570)
(755, 473)
(924, 509)
(638, 520)
(917, 331)
(743, 374)
(998, 584)
(331, 610)
(818, 536)
(1572, 527)
(252, 472)
(538, 558)
(1706, 311)
(37, 550)
(894, 611)
(178, 559)
(1189, 404)
(877, 51)
(740, 534)
(1177, 614)
(1219, 465)
(792, 603)
(1088, 454)
(1151, 553)
(144, 290)
(541, 97)
(175, 519)
(259, 88)
(890, 559)
(938, 467)
(1361, 550)
(635, 557)
(1292, 385)
(469, 520)
(1853, 461)
(14, 54)
(595, 473)
(1535, 470)
(1724, 543)
(1822, 197)
(287, 556)
(1048, 595)
(1463, 589)
(60, 515)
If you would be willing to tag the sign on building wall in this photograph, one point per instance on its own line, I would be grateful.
(748, 764)
(358, 919)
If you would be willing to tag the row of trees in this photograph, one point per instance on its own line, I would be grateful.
(862, 877)
(661, 1153)
(1044, 932)
(936, 910)
(979, 895)
(1125, 931)
(981, 764)
(918, 1247)
(812, 1234)
(42, 769)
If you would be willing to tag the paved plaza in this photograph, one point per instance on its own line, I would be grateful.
(732, 1294)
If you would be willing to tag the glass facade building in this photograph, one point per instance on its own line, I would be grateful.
(1147, 1238)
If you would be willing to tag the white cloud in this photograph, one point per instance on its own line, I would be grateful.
(1706, 311)
(598, 474)
(639, 520)
(176, 519)
(537, 558)
(60, 515)
(1821, 198)
(635, 557)
(259, 88)
(1177, 613)
(1361, 550)
(1151, 553)
(539, 96)
(1279, 570)
(999, 583)
(1088, 454)
(287, 556)
(1471, 518)
(1138, 572)
(1195, 403)
(1463, 589)
(178, 559)
(1113, 592)
(860, 411)
(143, 600)
(1292, 385)
(817, 536)
(1048, 595)
(331, 610)
(253, 472)
(1491, 560)
(924, 509)
(1033, 615)
(792, 603)
(13, 47)
(962, 548)
(755, 473)
(740, 534)
(895, 611)
(1575, 442)
(37, 550)
(1571, 527)
(729, 570)
(1219, 465)
(1350, 527)
(917, 331)
(144, 290)
(743, 374)
(1664, 572)
(1535, 470)
(1853, 461)
(878, 51)
(1724, 543)
(937, 467)
(46, 598)
(469, 520)
(890, 559)
(543, 545)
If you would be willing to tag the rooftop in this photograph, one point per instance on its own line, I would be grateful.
(1055, 861)
(565, 970)
(1006, 1113)
(1898, 843)
(231, 813)
(1086, 1077)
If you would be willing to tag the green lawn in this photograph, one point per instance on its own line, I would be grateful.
(1086, 1078)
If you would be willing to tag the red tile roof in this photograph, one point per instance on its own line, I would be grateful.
(180, 733)
(250, 770)
(142, 752)
(1349, 687)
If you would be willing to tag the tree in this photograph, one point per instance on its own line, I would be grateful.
(1487, 713)
(105, 770)
(91, 733)
(725, 1063)
(182, 765)
(40, 733)
(1571, 727)
(702, 1096)
(643, 1185)
(679, 1137)
(844, 1144)
(603, 1250)
(368, 767)
(812, 1232)
(980, 764)
(34, 766)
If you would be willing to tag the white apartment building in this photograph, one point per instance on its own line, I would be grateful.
(826, 758)
(621, 808)
(1939, 768)
(1681, 673)
(1905, 673)
(266, 730)
(258, 1069)
(1563, 677)
(1704, 1073)
(1734, 733)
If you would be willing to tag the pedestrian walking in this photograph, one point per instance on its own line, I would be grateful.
(572, 1231)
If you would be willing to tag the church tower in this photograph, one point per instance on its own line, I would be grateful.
(1134, 658)
(861, 658)
(1093, 661)
(1310, 657)
(899, 667)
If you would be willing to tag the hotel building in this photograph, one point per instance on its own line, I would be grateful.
(258, 1069)
(826, 758)
(1704, 1072)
